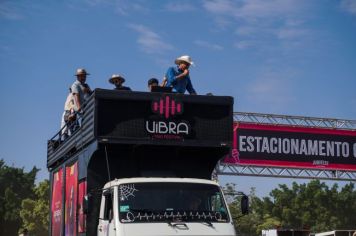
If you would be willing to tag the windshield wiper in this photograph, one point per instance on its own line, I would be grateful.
(179, 225)
(208, 223)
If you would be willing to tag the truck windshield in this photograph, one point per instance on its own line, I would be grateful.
(171, 202)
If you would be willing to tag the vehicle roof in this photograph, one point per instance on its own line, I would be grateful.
(158, 180)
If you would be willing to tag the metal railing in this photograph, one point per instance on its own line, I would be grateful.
(59, 147)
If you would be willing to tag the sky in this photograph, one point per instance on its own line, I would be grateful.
(286, 57)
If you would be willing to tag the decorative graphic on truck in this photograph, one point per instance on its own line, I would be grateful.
(82, 188)
(71, 200)
(168, 127)
(56, 217)
(167, 106)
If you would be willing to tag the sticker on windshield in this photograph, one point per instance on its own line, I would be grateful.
(126, 191)
(124, 208)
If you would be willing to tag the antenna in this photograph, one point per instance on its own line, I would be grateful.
(107, 163)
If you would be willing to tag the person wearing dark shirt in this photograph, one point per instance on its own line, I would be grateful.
(118, 80)
(178, 77)
(152, 83)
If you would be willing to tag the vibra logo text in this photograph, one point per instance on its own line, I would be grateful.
(167, 127)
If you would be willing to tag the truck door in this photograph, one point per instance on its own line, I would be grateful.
(106, 220)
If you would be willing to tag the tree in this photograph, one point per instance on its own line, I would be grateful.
(312, 206)
(245, 225)
(35, 213)
(15, 185)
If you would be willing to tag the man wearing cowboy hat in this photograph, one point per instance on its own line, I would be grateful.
(178, 77)
(118, 80)
(80, 89)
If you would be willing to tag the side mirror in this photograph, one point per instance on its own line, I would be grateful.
(86, 209)
(244, 205)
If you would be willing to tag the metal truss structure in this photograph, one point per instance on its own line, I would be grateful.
(299, 173)
(295, 120)
(284, 172)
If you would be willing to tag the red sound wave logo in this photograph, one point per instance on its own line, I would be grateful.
(167, 107)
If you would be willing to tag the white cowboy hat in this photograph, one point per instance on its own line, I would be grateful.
(81, 71)
(184, 58)
(119, 77)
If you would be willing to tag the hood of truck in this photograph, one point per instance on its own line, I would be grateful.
(165, 229)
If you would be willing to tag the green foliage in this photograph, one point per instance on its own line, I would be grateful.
(313, 206)
(34, 212)
(245, 225)
(15, 185)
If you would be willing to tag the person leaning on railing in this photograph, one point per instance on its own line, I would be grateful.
(68, 116)
(81, 92)
(80, 89)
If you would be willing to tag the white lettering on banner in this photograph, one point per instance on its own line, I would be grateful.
(273, 144)
(291, 146)
(265, 145)
(250, 144)
(163, 127)
(242, 144)
(313, 147)
(345, 149)
(294, 146)
(303, 147)
(337, 148)
(286, 146)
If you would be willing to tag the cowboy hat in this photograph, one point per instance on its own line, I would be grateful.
(118, 77)
(184, 58)
(81, 71)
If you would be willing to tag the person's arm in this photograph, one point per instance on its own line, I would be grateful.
(87, 89)
(75, 91)
(77, 101)
(170, 77)
(190, 88)
(164, 82)
(183, 74)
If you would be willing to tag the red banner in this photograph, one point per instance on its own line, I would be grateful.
(71, 200)
(290, 146)
(81, 215)
(56, 213)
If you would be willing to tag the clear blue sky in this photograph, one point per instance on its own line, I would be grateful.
(293, 57)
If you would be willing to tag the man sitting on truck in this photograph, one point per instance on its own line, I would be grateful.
(118, 80)
(178, 77)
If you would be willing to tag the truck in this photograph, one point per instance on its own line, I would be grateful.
(141, 164)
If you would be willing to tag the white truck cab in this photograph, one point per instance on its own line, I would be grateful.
(163, 206)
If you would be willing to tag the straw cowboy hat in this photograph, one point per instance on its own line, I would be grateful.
(184, 58)
(116, 77)
(81, 71)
